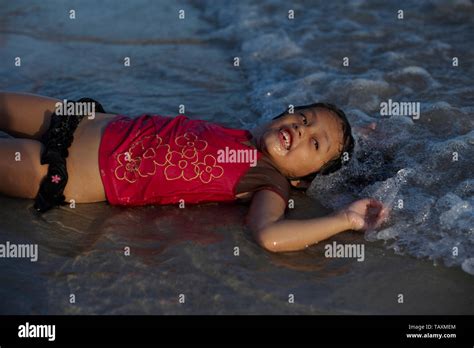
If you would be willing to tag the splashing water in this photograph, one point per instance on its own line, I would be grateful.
(421, 168)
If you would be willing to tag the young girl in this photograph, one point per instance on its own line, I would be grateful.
(58, 156)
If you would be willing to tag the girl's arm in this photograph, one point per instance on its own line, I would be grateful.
(274, 233)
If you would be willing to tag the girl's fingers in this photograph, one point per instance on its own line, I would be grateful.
(375, 203)
(373, 210)
(382, 217)
(376, 214)
(384, 213)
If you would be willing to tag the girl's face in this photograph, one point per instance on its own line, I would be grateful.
(301, 143)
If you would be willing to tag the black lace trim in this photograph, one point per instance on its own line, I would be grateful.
(57, 139)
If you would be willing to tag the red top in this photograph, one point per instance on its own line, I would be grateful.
(162, 160)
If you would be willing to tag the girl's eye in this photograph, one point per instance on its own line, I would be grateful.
(305, 121)
(316, 144)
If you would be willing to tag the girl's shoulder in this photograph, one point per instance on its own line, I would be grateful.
(263, 176)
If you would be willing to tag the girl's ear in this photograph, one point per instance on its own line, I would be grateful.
(300, 184)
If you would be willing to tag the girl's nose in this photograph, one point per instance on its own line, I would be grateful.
(297, 129)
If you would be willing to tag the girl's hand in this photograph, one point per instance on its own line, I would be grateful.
(366, 214)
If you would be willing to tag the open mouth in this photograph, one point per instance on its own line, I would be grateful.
(285, 138)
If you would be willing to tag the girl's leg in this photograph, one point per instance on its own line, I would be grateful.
(25, 115)
(20, 169)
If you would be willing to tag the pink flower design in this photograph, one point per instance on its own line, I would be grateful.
(190, 144)
(56, 179)
(209, 170)
(180, 166)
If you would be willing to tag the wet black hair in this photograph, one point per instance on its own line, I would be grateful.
(347, 140)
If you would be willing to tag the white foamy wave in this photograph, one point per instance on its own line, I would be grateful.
(421, 168)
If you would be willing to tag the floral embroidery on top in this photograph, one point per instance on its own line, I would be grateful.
(209, 170)
(190, 143)
(144, 156)
(180, 166)
(128, 168)
(141, 159)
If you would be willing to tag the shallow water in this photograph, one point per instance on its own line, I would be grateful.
(421, 166)
(191, 251)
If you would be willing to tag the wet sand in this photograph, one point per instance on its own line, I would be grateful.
(188, 251)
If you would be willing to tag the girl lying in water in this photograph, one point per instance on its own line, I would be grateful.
(166, 160)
